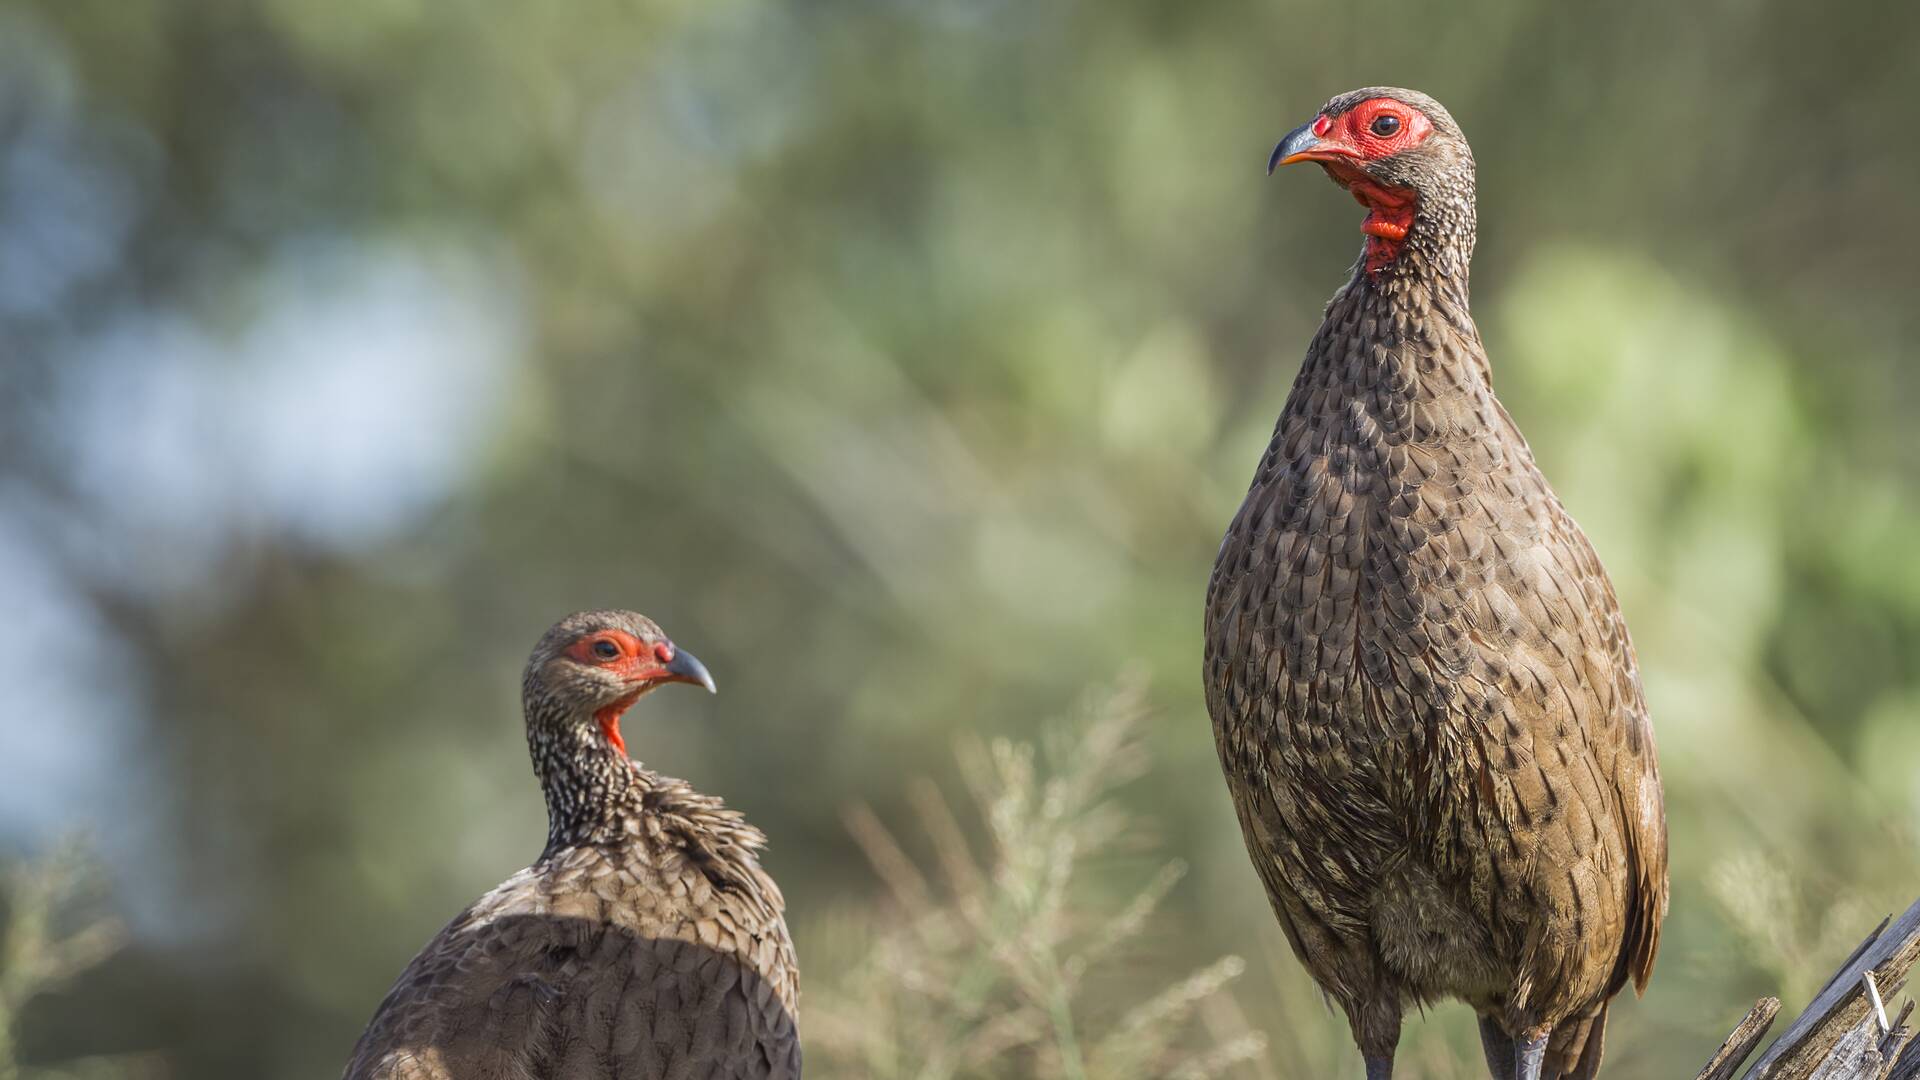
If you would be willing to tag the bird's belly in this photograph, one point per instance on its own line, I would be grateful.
(1343, 702)
(1436, 945)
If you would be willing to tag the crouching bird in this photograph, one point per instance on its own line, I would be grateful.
(644, 943)
(1423, 694)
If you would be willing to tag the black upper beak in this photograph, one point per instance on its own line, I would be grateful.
(1298, 141)
(685, 667)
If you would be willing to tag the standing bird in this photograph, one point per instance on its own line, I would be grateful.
(644, 943)
(1423, 694)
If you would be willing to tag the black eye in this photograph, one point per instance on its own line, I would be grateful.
(606, 650)
(1385, 125)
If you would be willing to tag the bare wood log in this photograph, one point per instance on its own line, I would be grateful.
(1896, 1040)
(1907, 1066)
(1741, 1043)
(1855, 1056)
(1844, 1034)
(1905, 1059)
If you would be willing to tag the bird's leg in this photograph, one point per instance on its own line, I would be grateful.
(1529, 1054)
(1376, 1028)
(1498, 1046)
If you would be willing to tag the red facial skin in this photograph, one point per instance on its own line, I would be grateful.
(1348, 139)
(638, 663)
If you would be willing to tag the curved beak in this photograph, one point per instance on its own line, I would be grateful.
(1301, 144)
(687, 668)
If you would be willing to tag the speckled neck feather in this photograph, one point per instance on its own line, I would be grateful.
(589, 786)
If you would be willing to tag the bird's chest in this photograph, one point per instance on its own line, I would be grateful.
(1372, 565)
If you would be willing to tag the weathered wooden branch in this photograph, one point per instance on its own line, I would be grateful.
(1741, 1043)
(1848, 1032)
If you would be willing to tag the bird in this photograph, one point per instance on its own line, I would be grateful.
(644, 942)
(1425, 700)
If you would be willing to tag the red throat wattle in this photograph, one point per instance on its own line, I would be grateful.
(1390, 211)
(609, 721)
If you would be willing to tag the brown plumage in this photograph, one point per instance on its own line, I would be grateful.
(645, 943)
(1423, 694)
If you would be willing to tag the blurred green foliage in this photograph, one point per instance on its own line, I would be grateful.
(905, 359)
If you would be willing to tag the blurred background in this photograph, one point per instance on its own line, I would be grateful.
(905, 359)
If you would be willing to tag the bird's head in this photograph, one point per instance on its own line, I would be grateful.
(1400, 154)
(593, 665)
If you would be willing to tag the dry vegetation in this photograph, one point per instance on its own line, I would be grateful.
(992, 966)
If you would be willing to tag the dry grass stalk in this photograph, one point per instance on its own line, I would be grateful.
(995, 971)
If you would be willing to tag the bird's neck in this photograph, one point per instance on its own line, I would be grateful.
(1426, 288)
(591, 788)
(1398, 357)
(1414, 309)
(1436, 254)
